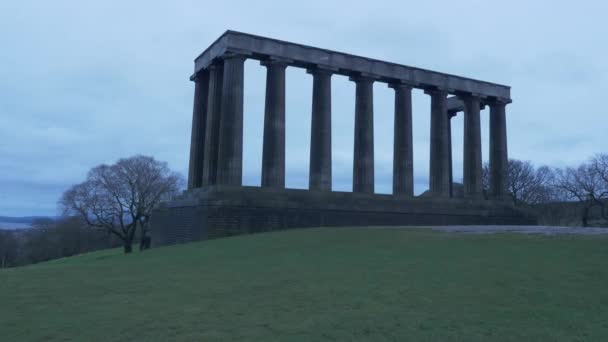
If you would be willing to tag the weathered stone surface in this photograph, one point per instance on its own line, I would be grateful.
(472, 177)
(498, 150)
(273, 152)
(450, 152)
(345, 64)
(403, 149)
(230, 160)
(219, 211)
(199, 122)
(439, 177)
(363, 159)
(214, 114)
(455, 104)
(320, 131)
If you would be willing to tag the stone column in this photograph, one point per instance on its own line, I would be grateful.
(230, 160)
(320, 136)
(451, 114)
(197, 138)
(403, 155)
(214, 102)
(498, 150)
(273, 154)
(472, 169)
(363, 159)
(439, 172)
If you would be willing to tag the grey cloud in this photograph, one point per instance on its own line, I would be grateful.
(87, 83)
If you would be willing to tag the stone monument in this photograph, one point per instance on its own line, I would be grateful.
(216, 204)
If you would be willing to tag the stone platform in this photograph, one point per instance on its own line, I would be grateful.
(218, 211)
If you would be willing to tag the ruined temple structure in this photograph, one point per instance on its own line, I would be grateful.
(216, 204)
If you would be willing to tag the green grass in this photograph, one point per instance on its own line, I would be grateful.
(319, 284)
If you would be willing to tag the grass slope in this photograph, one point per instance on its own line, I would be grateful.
(319, 284)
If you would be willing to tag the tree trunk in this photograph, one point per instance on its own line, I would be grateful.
(142, 237)
(585, 217)
(144, 240)
(144, 243)
(128, 247)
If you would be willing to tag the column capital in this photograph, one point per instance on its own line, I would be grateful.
(320, 69)
(436, 91)
(234, 55)
(214, 65)
(362, 78)
(497, 101)
(400, 85)
(470, 96)
(198, 76)
(276, 61)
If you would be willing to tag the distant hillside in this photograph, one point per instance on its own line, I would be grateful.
(9, 222)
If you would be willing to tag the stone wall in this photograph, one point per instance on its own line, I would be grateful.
(224, 211)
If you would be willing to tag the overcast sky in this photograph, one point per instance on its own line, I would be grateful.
(87, 82)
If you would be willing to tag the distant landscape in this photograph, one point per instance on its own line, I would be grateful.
(8, 222)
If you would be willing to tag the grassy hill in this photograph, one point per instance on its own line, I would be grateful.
(319, 284)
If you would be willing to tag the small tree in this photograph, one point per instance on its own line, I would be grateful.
(584, 185)
(120, 197)
(525, 184)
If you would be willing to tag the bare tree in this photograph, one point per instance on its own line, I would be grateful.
(8, 248)
(528, 185)
(40, 244)
(525, 184)
(51, 239)
(120, 197)
(599, 166)
(584, 185)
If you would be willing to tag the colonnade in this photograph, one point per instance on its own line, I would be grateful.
(216, 154)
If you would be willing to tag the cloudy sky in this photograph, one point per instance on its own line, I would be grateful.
(87, 82)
